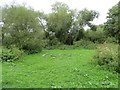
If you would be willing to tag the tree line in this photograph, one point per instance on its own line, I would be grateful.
(30, 30)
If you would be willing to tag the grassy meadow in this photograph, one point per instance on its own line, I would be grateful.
(57, 69)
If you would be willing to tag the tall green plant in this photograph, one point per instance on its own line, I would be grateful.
(21, 25)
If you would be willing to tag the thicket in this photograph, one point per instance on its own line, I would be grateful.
(107, 57)
(11, 54)
(21, 29)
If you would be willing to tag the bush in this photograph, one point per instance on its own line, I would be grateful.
(66, 47)
(32, 46)
(95, 36)
(77, 45)
(107, 56)
(85, 44)
(53, 42)
(111, 40)
(17, 52)
(11, 54)
(26, 31)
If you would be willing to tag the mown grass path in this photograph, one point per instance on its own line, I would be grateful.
(57, 69)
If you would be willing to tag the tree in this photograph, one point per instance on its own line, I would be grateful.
(112, 27)
(83, 18)
(21, 28)
(97, 36)
(59, 21)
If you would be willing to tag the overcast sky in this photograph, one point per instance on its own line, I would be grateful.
(102, 6)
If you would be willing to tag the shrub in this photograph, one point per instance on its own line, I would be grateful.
(53, 41)
(32, 46)
(66, 47)
(16, 51)
(77, 45)
(11, 54)
(85, 44)
(107, 56)
(111, 40)
(95, 36)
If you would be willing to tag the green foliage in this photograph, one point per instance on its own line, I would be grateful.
(66, 24)
(52, 41)
(85, 16)
(21, 27)
(85, 44)
(59, 21)
(17, 52)
(79, 34)
(112, 25)
(97, 36)
(107, 56)
(111, 40)
(81, 19)
(11, 54)
(66, 47)
(77, 45)
(32, 46)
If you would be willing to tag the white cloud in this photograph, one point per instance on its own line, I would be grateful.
(102, 6)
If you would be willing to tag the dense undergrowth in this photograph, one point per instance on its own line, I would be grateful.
(107, 57)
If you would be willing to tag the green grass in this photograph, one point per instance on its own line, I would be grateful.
(57, 69)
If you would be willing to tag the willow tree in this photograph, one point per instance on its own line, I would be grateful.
(59, 21)
(21, 28)
(83, 18)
